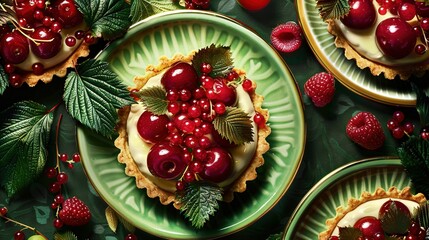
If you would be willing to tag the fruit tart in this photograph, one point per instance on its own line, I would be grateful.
(40, 39)
(387, 37)
(197, 126)
(385, 214)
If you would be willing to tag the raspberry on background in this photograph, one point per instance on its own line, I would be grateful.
(365, 130)
(320, 88)
(287, 37)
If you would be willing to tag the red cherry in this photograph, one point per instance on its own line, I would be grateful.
(49, 42)
(19, 235)
(218, 165)
(253, 5)
(221, 92)
(14, 47)
(362, 14)
(166, 161)
(369, 226)
(66, 12)
(25, 9)
(152, 128)
(180, 76)
(386, 207)
(395, 37)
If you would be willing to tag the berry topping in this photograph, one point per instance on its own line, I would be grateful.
(218, 165)
(66, 12)
(222, 92)
(14, 47)
(365, 130)
(74, 212)
(166, 161)
(369, 226)
(395, 37)
(48, 42)
(152, 128)
(362, 14)
(389, 205)
(180, 76)
(287, 37)
(320, 88)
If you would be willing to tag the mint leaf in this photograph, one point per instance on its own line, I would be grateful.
(4, 80)
(234, 125)
(25, 134)
(93, 93)
(422, 104)
(199, 202)
(154, 99)
(332, 9)
(106, 18)
(141, 9)
(219, 57)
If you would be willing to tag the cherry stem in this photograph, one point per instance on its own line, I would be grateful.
(23, 225)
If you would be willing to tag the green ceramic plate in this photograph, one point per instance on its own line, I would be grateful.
(332, 191)
(184, 31)
(362, 82)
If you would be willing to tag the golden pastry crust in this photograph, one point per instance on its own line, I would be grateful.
(379, 193)
(404, 72)
(60, 69)
(166, 197)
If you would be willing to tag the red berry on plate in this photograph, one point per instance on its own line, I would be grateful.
(369, 226)
(222, 92)
(66, 12)
(365, 130)
(48, 42)
(218, 165)
(166, 161)
(14, 47)
(320, 88)
(74, 212)
(361, 15)
(180, 76)
(395, 37)
(287, 37)
(390, 205)
(253, 5)
(151, 127)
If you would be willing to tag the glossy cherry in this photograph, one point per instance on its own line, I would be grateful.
(48, 42)
(221, 92)
(362, 14)
(389, 204)
(152, 128)
(395, 37)
(66, 12)
(369, 226)
(166, 161)
(180, 76)
(14, 47)
(218, 165)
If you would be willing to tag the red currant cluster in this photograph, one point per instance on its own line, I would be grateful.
(37, 29)
(183, 150)
(397, 126)
(197, 4)
(20, 234)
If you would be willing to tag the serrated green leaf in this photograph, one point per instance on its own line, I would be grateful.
(219, 57)
(93, 93)
(395, 221)
(154, 99)
(332, 9)
(68, 235)
(349, 233)
(25, 134)
(199, 202)
(108, 19)
(4, 80)
(414, 155)
(235, 125)
(141, 9)
(422, 215)
(422, 104)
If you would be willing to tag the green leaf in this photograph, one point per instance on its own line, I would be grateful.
(422, 215)
(141, 9)
(199, 202)
(395, 221)
(332, 9)
(4, 80)
(349, 233)
(235, 125)
(414, 155)
(219, 57)
(93, 93)
(153, 99)
(106, 18)
(422, 105)
(68, 235)
(25, 134)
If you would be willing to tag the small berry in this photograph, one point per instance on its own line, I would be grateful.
(74, 212)
(365, 130)
(58, 223)
(19, 235)
(398, 132)
(64, 157)
(248, 85)
(51, 172)
(320, 88)
(409, 128)
(3, 211)
(62, 177)
(180, 185)
(287, 37)
(259, 119)
(76, 157)
(398, 116)
(130, 236)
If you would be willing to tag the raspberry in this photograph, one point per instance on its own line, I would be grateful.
(320, 88)
(74, 212)
(365, 130)
(287, 37)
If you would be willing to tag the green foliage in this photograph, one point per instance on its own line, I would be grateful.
(395, 221)
(68, 235)
(219, 57)
(349, 233)
(106, 18)
(4, 80)
(141, 9)
(234, 125)
(422, 105)
(153, 99)
(25, 135)
(93, 93)
(332, 9)
(199, 202)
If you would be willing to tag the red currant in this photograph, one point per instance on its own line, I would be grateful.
(3, 211)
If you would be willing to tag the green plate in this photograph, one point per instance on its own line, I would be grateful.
(332, 191)
(362, 82)
(184, 31)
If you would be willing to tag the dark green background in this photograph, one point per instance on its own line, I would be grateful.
(327, 146)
